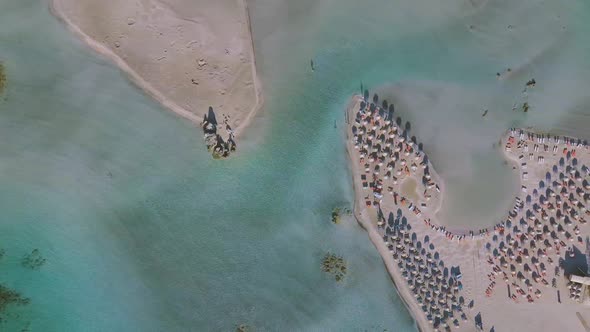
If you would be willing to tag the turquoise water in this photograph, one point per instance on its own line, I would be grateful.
(142, 231)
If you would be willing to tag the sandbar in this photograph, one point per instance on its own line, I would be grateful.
(188, 54)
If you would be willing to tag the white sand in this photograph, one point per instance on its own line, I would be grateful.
(470, 253)
(189, 55)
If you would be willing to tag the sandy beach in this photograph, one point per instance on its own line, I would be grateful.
(188, 55)
(503, 278)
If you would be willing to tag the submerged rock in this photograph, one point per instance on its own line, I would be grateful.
(34, 260)
(243, 328)
(334, 265)
(9, 297)
(337, 214)
(2, 77)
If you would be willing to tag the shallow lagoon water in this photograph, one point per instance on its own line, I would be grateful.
(142, 231)
(438, 64)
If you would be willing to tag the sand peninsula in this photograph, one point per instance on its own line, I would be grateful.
(196, 57)
(526, 273)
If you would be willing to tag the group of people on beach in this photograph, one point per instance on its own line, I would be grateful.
(550, 213)
(219, 147)
(455, 235)
(542, 223)
(381, 142)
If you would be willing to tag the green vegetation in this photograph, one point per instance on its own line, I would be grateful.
(334, 265)
(337, 213)
(34, 260)
(2, 77)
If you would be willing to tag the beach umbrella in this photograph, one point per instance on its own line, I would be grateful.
(404, 221)
(391, 110)
(548, 193)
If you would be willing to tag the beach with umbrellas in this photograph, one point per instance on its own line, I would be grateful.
(501, 278)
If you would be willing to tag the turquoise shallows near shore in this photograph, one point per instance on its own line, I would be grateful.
(111, 188)
(142, 231)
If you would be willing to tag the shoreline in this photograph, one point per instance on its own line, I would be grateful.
(55, 8)
(256, 79)
(358, 210)
(466, 251)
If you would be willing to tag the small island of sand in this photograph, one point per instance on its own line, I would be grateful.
(529, 272)
(191, 55)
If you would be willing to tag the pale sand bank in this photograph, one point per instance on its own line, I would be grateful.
(492, 261)
(408, 189)
(189, 55)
